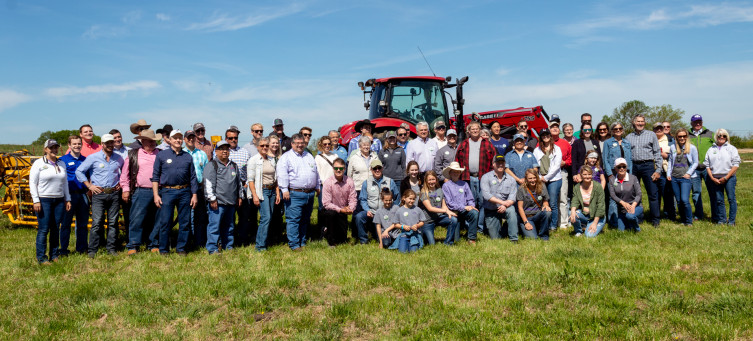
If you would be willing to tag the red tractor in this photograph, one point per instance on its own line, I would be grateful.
(396, 100)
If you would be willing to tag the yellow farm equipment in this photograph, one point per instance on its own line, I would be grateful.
(14, 178)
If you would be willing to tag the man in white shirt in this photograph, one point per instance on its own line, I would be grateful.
(422, 149)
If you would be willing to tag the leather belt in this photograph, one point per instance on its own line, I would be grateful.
(268, 186)
(110, 190)
(643, 161)
(304, 190)
(176, 187)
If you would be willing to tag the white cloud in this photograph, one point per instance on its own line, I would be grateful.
(693, 16)
(226, 22)
(100, 31)
(11, 98)
(102, 89)
(721, 91)
(163, 17)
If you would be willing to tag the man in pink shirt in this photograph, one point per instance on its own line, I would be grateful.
(339, 200)
(567, 161)
(135, 180)
(87, 135)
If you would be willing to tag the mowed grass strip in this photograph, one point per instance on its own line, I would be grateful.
(665, 283)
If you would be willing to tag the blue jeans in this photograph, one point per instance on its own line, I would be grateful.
(541, 223)
(582, 222)
(199, 219)
(667, 195)
(265, 217)
(442, 220)
(80, 210)
(363, 224)
(48, 221)
(470, 220)
(298, 217)
(697, 189)
(220, 227)
(717, 192)
(478, 199)
(143, 212)
(170, 199)
(643, 171)
(681, 188)
(494, 222)
(104, 205)
(554, 188)
(611, 218)
(629, 220)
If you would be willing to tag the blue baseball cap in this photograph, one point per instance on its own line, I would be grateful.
(696, 118)
(518, 136)
(555, 117)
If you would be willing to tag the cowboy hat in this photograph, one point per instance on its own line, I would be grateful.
(139, 123)
(360, 125)
(453, 166)
(149, 134)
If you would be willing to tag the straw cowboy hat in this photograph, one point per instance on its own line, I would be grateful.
(149, 134)
(139, 123)
(453, 166)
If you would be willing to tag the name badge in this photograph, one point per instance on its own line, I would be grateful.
(44, 167)
(71, 163)
(405, 214)
(386, 217)
(169, 160)
(460, 190)
(494, 182)
(431, 149)
(614, 144)
(437, 199)
(101, 165)
(233, 173)
(373, 188)
(540, 197)
(529, 156)
(386, 155)
(504, 146)
(447, 152)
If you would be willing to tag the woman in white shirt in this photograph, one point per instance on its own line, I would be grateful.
(359, 161)
(549, 157)
(262, 188)
(48, 184)
(722, 161)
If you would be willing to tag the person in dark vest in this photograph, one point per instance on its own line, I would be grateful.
(136, 183)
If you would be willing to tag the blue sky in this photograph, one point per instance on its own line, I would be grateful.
(66, 63)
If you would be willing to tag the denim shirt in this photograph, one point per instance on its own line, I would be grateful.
(519, 163)
(103, 173)
(504, 189)
(611, 153)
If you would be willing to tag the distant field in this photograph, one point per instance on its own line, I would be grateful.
(672, 282)
(33, 149)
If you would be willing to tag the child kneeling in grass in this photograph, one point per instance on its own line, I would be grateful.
(410, 219)
(385, 220)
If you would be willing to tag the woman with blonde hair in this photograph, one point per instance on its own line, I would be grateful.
(722, 161)
(683, 161)
(48, 184)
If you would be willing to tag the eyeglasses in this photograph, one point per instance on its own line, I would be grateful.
(232, 138)
(263, 146)
(258, 131)
(588, 130)
(307, 135)
(338, 168)
(621, 167)
(617, 129)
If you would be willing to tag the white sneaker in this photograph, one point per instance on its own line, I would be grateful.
(564, 226)
(578, 234)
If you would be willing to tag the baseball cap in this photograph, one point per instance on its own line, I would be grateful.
(554, 123)
(544, 131)
(233, 129)
(222, 143)
(375, 163)
(51, 142)
(107, 138)
(620, 161)
(555, 117)
(658, 125)
(197, 126)
(452, 132)
(176, 132)
(696, 118)
(439, 124)
(499, 158)
(190, 133)
(514, 138)
(165, 130)
(390, 134)
(278, 122)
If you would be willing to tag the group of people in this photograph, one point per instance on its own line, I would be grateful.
(394, 190)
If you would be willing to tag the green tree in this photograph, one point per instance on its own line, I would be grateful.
(61, 136)
(660, 113)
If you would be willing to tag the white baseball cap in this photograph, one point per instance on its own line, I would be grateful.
(107, 138)
(176, 132)
(620, 161)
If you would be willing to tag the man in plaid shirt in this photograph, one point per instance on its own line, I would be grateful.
(476, 155)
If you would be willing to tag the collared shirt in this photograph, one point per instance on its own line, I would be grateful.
(240, 156)
(71, 163)
(104, 173)
(164, 145)
(393, 160)
(486, 154)
(614, 150)
(200, 160)
(403, 144)
(47, 179)
(297, 171)
(720, 159)
(376, 144)
(223, 182)
(144, 174)
(519, 163)
(646, 148)
(492, 186)
(444, 157)
(175, 169)
(251, 148)
(122, 151)
(457, 195)
(339, 194)
(423, 152)
(89, 148)
(207, 147)
(627, 190)
(341, 152)
(440, 143)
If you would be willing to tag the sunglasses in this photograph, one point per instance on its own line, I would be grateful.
(232, 138)
(682, 136)
(621, 167)
(668, 127)
(440, 128)
(617, 129)
(263, 146)
(603, 129)
(326, 144)
(338, 168)
(523, 126)
(722, 136)
(401, 134)
(198, 130)
(258, 131)
(588, 130)
(307, 135)
(377, 168)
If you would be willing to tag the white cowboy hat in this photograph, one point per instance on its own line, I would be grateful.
(453, 166)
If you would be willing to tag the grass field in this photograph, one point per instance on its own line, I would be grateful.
(668, 283)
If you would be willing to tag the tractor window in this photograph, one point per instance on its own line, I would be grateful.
(416, 101)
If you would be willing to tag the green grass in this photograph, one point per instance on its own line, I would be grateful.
(668, 283)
